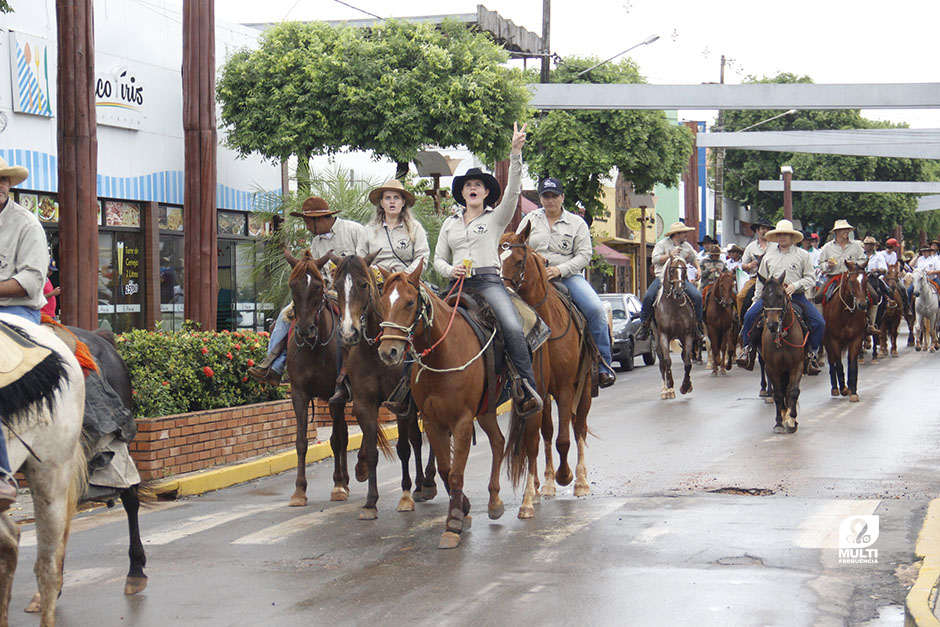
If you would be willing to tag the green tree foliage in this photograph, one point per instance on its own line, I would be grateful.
(5, 7)
(582, 147)
(392, 89)
(871, 213)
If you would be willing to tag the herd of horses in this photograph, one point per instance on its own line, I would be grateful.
(380, 325)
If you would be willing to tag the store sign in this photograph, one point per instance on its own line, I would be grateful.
(32, 76)
(119, 98)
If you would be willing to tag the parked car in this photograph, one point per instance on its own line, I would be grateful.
(625, 309)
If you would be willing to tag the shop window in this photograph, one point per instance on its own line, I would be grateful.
(120, 294)
(171, 282)
(237, 301)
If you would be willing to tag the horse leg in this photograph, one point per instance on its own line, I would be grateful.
(779, 403)
(793, 397)
(548, 431)
(339, 441)
(852, 382)
(368, 419)
(429, 486)
(916, 331)
(531, 439)
(665, 367)
(764, 379)
(714, 350)
(581, 485)
(9, 552)
(136, 579)
(563, 441)
(301, 402)
(403, 448)
(459, 505)
(833, 372)
(490, 426)
(687, 362)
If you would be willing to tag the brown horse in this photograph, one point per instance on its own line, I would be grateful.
(448, 382)
(675, 319)
(311, 365)
(568, 362)
(891, 321)
(372, 382)
(783, 346)
(719, 322)
(846, 321)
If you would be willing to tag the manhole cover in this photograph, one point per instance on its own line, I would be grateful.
(744, 491)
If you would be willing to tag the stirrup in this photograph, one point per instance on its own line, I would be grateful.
(342, 394)
(399, 402)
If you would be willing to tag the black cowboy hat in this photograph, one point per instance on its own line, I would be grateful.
(761, 222)
(489, 182)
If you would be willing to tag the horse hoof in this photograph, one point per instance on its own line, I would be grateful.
(548, 490)
(467, 523)
(684, 390)
(405, 504)
(298, 500)
(764, 393)
(894, 353)
(844, 391)
(791, 429)
(582, 489)
(917, 348)
(34, 605)
(526, 512)
(449, 540)
(853, 398)
(367, 513)
(834, 392)
(429, 491)
(714, 373)
(874, 361)
(779, 429)
(768, 400)
(338, 494)
(495, 513)
(664, 395)
(133, 585)
(563, 476)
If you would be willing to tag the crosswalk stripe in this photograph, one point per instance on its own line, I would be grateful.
(198, 524)
(279, 532)
(97, 519)
(821, 529)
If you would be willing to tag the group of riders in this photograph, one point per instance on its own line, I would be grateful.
(468, 250)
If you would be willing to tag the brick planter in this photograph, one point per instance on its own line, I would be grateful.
(169, 445)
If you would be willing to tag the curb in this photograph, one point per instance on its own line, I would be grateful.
(922, 597)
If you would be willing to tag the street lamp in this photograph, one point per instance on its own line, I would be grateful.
(645, 42)
(779, 115)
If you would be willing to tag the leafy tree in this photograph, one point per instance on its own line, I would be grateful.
(392, 89)
(583, 147)
(871, 213)
(5, 7)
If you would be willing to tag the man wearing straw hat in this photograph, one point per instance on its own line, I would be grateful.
(795, 265)
(24, 259)
(838, 251)
(673, 244)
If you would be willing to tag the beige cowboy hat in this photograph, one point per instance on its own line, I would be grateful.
(784, 227)
(392, 185)
(677, 227)
(314, 207)
(842, 224)
(17, 173)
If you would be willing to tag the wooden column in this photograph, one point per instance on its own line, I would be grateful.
(150, 276)
(690, 183)
(78, 163)
(199, 135)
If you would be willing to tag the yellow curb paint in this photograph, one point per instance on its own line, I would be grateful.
(218, 478)
(918, 610)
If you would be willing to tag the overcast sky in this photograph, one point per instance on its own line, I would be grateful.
(863, 41)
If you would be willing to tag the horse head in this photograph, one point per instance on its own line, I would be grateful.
(357, 294)
(674, 277)
(852, 288)
(307, 289)
(725, 289)
(519, 262)
(892, 276)
(776, 301)
(919, 281)
(405, 306)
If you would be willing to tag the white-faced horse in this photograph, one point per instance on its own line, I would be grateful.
(926, 312)
(45, 409)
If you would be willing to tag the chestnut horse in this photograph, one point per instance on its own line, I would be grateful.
(372, 382)
(675, 319)
(783, 346)
(448, 381)
(894, 311)
(846, 322)
(568, 363)
(311, 365)
(719, 321)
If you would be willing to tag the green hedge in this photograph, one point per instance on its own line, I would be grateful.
(192, 370)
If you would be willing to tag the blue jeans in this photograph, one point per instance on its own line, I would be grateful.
(491, 288)
(817, 326)
(650, 297)
(590, 305)
(281, 327)
(33, 316)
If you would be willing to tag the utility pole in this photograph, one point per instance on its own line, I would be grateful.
(720, 163)
(546, 46)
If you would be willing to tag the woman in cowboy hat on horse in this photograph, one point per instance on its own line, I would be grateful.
(673, 244)
(400, 240)
(795, 264)
(468, 246)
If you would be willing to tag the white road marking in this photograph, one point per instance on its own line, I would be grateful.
(276, 533)
(86, 576)
(821, 530)
(87, 523)
(571, 524)
(197, 524)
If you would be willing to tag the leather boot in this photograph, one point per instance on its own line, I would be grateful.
(812, 364)
(8, 492)
(262, 371)
(342, 394)
(643, 331)
(399, 403)
(530, 403)
(746, 360)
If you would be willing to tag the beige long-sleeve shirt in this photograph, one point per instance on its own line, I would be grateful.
(565, 244)
(342, 239)
(397, 252)
(24, 255)
(661, 252)
(478, 241)
(752, 252)
(796, 265)
(852, 251)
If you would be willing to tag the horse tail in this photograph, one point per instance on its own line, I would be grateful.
(383, 443)
(515, 453)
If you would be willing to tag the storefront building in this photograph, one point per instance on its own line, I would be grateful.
(138, 57)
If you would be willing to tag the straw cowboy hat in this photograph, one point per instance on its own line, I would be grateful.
(314, 207)
(492, 186)
(17, 173)
(869, 240)
(842, 224)
(784, 227)
(392, 185)
(677, 227)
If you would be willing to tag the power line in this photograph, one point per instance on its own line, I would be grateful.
(358, 9)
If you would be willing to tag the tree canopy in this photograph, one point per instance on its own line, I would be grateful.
(582, 147)
(872, 213)
(392, 89)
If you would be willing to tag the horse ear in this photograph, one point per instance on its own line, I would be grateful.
(525, 232)
(370, 258)
(385, 273)
(850, 265)
(780, 279)
(415, 277)
(334, 258)
(291, 260)
(329, 256)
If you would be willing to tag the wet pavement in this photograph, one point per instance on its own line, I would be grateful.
(699, 515)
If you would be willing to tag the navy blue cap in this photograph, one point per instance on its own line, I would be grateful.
(551, 186)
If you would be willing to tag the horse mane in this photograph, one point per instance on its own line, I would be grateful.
(304, 265)
(35, 388)
(357, 270)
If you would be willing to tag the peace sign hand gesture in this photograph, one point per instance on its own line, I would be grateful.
(518, 138)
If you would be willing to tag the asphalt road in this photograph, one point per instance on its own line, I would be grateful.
(699, 515)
